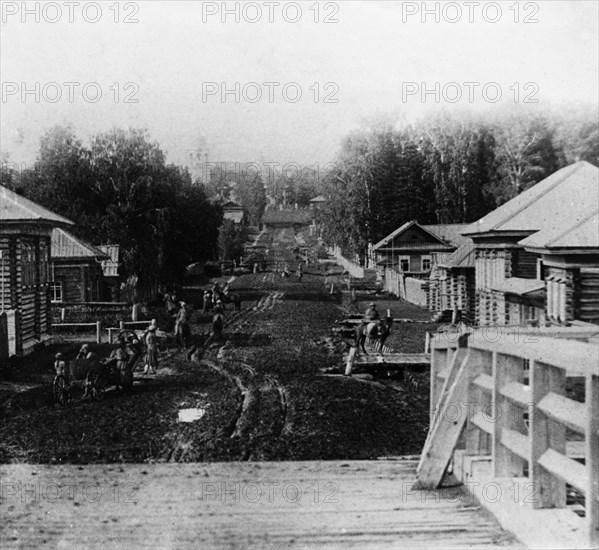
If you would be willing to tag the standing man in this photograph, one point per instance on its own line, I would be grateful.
(218, 325)
(182, 325)
(355, 342)
(151, 343)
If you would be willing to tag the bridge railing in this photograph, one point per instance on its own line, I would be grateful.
(520, 413)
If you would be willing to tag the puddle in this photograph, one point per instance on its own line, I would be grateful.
(191, 415)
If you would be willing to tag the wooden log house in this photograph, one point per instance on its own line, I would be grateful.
(25, 229)
(76, 270)
(299, 220)
(537, 256)
(234, 212)
(110, 269)
(414, 249)
(452, 286)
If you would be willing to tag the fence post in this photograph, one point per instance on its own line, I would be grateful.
(475, 438)
(592, 457)
(122, 325)
(99, 332)
(506, 369)
(545, 434)
(438, 362)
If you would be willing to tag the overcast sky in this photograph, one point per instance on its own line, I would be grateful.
(365, 61)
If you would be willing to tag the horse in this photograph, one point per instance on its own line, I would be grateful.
(377, 331)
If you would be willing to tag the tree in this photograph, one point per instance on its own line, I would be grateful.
(460, 167)
(120, 190)
(252, 196)
(230, 241)
(527, 153)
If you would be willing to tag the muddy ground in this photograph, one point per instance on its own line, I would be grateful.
(264, 393)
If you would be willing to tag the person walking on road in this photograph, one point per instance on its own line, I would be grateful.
(182, 326)
(151, 343)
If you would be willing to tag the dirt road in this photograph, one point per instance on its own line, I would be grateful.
(262, 393)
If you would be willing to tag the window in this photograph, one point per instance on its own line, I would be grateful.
(426, 263)
(28, 265)
(404, 263)
(43, 263)
(56, 292)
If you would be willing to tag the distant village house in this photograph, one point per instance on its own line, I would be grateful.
(77, 270)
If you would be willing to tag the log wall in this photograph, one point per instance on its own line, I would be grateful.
(25, 284)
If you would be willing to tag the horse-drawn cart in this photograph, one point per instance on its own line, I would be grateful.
(94, 376)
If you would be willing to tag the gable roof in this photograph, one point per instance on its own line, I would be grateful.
(451, 233)
(571, 193)
(426, 228)
(66, 245)
(287, 216)
(578, 234)
(15, 208)
(320, 198)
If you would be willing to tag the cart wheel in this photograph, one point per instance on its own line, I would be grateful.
(61, 390)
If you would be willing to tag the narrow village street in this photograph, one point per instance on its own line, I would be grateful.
(314, 459)
(265, 393)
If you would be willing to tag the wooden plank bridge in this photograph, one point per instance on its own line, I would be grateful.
(307, 505)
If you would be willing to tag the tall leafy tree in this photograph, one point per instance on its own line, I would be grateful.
(120, 190)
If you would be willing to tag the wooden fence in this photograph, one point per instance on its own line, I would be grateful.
(394, 283)
(523, 418)
(351, 267)
(97, 327)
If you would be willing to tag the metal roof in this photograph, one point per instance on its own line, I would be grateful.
(445, 234)
(517, 285)
(578, 234)
(15, 208)
(571, 193)
(462, 257)
(65, 245)
(451, 233)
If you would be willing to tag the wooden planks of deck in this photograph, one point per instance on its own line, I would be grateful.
(349, 504)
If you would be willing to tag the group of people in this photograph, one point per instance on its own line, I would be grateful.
(285, 273)
(212, 300)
